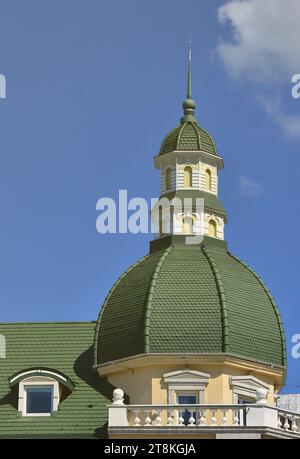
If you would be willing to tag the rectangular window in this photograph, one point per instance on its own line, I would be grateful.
(39, 399)
(243, 413)
(187, 399)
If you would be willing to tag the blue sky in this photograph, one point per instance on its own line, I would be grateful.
(92, 89)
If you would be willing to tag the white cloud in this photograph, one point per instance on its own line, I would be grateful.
(272, 106)
(250, 188)
(264, 49)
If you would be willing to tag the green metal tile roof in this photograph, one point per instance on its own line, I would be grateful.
(211, 201)
(67, 348)
(190, 299)
(188, 136)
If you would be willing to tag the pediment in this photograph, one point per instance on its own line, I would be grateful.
(186, 376)
(248, 383)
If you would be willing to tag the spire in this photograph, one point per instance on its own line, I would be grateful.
(189, 87)
(189, 104)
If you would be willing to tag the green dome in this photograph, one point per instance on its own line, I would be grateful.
(189, 136)
(190, 299)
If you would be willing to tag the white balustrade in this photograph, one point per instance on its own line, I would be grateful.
(170, 420)
(224, 419)
(158, 420)
(213, 421)
(288, 421)
(201, 416)
(148, 421)
(202, 421)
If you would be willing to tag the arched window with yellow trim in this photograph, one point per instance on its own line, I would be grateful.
(212, 228)
(188, 177)
(168, 176)
(208, 179)
(187, 225)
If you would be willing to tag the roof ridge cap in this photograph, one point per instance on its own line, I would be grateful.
(211, 138)
(196, 127)
(116, 283)
(150, 296)
(275, 307)
(222, 297)
(183, 125)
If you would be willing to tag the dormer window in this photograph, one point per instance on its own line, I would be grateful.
(39, 399)
(40, 391)
(38, 396)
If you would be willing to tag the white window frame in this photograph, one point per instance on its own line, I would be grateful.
(245, 387)
(37, 381)
(187, 393)
(184, 382)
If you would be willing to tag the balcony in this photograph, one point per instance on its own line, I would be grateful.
(201, 421)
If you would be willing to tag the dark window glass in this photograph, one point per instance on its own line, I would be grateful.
(39, 399)
(187, 400)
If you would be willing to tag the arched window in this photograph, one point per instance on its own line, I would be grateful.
(212, 228)
(40, 390)
(187, 225)
(168, 176)
(208, 180)
(188, 177)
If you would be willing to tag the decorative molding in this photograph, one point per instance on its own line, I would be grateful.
(247, 386)
(186, 380)
(37, 381)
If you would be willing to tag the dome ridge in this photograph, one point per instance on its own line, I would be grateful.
(150, 296)
(188, 136)
(272, 301)
(192, 300)
(106, 300)
(222, 296)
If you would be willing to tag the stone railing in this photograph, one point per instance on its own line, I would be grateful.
(201, 416)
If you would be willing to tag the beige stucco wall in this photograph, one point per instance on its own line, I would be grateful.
(145, 385)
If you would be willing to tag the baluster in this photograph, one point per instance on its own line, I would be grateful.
(148, 421)
(236, 419)
(213, 421)
(202, 420)
(170, 420)
(158, 419)
(192, 420)
(137, 420)
(224, 419)
(294, 424)
(180, 420)
(286, 424)
(279, 423)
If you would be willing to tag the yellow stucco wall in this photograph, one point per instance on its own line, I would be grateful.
(145, 385)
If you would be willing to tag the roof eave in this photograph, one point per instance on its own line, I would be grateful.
(167, 156)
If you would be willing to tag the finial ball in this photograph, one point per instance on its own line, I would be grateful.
(118, 397)
(189, 104)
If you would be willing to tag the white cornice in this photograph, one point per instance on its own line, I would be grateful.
(218, 160)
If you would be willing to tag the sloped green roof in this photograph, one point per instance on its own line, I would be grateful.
(190, 299)
(188, 136)
(211, 201)
(67, 348)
